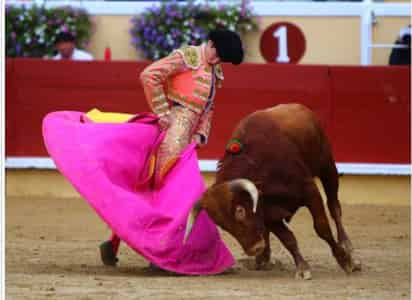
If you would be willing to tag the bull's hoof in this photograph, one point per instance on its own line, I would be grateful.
(107, 254)
(262, 261)
(303, 272)
(262, 265)
(345, 257)
(354, 265)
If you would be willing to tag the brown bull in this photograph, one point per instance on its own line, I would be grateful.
(268, 177)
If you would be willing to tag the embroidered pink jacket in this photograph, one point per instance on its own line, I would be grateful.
(186, 78)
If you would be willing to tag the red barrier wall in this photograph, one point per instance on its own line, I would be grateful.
(371, 114)
(365, 110)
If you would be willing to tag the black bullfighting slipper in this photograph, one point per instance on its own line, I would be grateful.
(107, 254)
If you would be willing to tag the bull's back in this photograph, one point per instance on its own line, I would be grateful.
(300, 126)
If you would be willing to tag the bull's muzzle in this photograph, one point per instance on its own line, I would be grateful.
(257, 248)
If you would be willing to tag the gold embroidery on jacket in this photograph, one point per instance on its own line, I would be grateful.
(201, 74)
(174, 95)
(193, 106)
(162, 110)
(159, 98)
(219, 72)
(203, 81)
(208, 69)
(201, 94)
(191, 56)
(204, 125)
(157, 92)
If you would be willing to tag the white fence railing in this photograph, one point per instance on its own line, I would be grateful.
(211, 166)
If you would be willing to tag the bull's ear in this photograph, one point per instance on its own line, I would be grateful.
(240, 213)
(191, 219)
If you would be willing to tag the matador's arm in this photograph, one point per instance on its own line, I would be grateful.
(155, 76)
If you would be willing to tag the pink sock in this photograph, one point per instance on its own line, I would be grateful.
(115, 242)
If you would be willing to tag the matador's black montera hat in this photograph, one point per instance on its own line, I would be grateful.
(228, 45)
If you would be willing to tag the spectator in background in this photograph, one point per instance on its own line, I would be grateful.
(402, 56)
(65, 44)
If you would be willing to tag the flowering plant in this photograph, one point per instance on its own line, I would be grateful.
(31, 32)
(160, 29)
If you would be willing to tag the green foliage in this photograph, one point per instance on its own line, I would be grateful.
(31, 32)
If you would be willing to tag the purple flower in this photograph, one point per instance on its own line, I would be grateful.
(244, 7)
(173, 13)
(18, 49)
(155, 11)
(159, 39)
(64, 28)
(135, 40)
(175, 33)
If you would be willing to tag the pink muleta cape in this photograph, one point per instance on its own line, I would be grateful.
(107, 163)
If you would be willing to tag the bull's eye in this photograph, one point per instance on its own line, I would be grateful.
(240, 213)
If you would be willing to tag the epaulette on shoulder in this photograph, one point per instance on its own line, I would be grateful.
(191, 56)
(219, 72)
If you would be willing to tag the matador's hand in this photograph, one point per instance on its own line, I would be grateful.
(164, 122)
(197, 138)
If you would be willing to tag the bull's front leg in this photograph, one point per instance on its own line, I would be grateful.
(320, 222)
(262, 260)
(288, 239)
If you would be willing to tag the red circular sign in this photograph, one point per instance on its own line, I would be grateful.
(282, 43)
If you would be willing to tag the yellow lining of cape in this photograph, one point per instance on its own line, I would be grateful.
(98, 116)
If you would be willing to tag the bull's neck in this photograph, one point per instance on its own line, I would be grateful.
(230, 168)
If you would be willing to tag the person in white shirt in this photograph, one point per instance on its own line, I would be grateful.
(65, 44)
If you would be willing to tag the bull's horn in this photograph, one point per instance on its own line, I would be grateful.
(249, 186)
(191, 219)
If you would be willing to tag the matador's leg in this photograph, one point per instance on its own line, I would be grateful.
(178, 136)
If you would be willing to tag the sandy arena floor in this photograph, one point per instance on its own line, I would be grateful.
(52, 253)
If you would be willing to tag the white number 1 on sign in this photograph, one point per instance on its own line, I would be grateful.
(282, 36)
